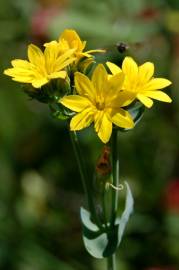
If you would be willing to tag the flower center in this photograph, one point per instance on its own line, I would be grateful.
(100, 105)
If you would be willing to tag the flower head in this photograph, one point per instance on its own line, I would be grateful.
(99, 100)
(139, 82)
(69, 39)
(41, 67)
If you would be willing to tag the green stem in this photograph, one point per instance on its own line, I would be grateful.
(104, 207)
(86, 185)
(111, 262)
(115, 175)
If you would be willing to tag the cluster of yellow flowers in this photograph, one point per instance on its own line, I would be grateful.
(52, 64)
(103, 98)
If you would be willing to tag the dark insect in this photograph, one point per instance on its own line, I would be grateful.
(122, 47)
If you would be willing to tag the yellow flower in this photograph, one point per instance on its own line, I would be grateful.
(99, 101)
(41, 67)
(139, 82)
(69, 39)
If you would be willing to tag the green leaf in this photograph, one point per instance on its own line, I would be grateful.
(99, 243)
(103, 242)
(126, 214)
(136, 110)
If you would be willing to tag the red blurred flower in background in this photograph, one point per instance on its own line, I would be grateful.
(42, 16)
(172, 196)
(149, 13)
(161, 268)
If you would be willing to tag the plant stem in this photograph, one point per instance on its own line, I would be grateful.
(115, 175)
(86, 185)
(104, 207)
(111, 262)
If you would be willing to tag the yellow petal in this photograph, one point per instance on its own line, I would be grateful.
(73, 39)
(75, 103)
(69, 35)
(59, 65)
(113, 68)
(83, 45)
(95, 51)
(84, 86)
(88, 54)
(98, 50)
(146, 72)
(99, 78)
(103, 126)
(22, 79)
(60, 74)
(18, 63)
(159, 95)
(51, 43)
(20, 67)
(130, 68)
(20, 75)
(62, 58)
(145, 100)
(122, 118)
(53, 48)
(84, 54)
(51, 54)
(13, 72)
(157, 83)
(37, 83)
(85, 64)
(115, 82)
(124, 98)
(113, 88)
(36, 56)
(82, 119)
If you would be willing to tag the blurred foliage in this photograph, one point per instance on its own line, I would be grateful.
(40, 189)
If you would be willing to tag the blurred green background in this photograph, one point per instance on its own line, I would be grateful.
(40, 188)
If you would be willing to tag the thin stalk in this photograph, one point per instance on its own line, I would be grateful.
(84, 177)
(111, 262)
(115, 175)
(104, 207)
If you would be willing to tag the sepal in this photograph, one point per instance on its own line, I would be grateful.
(49, 93)
(60, 112)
